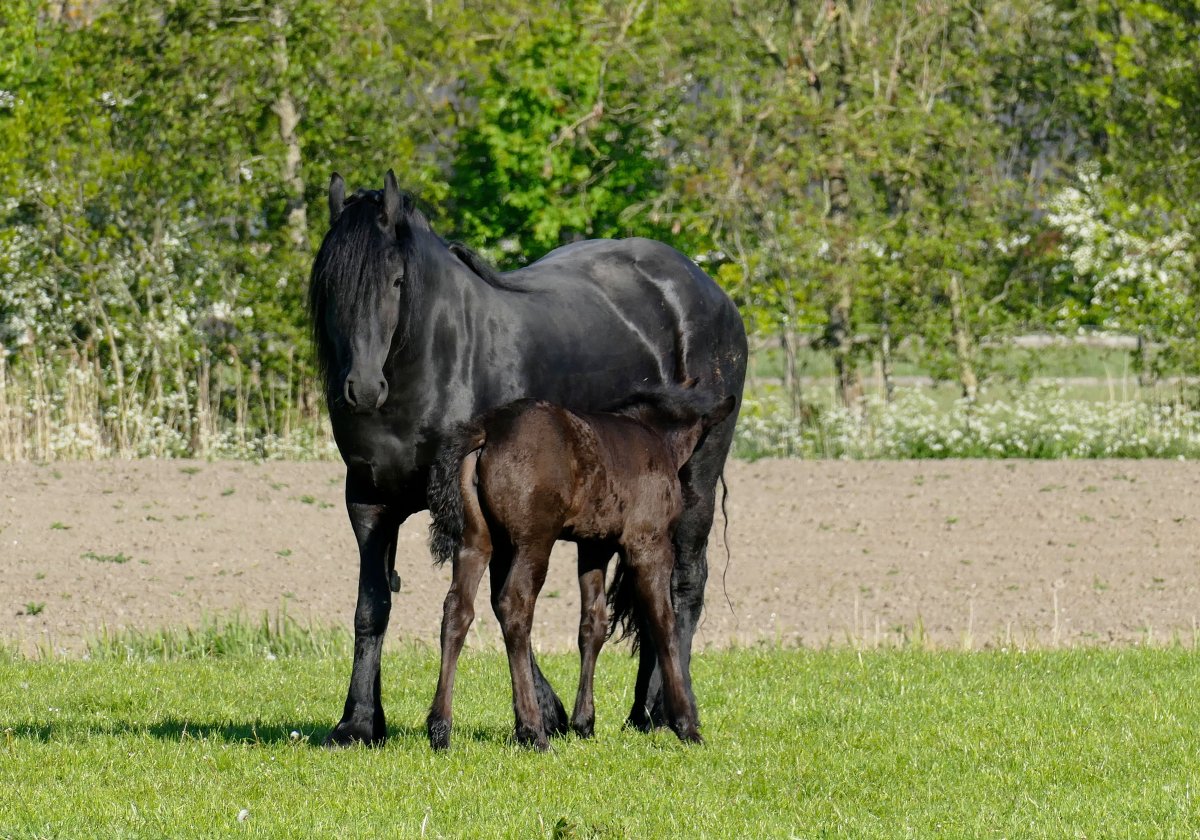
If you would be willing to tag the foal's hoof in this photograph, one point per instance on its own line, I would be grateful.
(348, 733)
(528, 738)
(689, 733)
(584, 728)
(439, 733)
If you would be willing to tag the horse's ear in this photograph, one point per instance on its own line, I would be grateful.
(392, 201)
(722, 410)
(337, 197)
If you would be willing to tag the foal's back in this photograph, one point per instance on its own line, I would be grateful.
(550, 473)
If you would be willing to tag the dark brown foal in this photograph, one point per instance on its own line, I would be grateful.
(529, 473)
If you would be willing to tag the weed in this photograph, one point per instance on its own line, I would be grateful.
(119, 557)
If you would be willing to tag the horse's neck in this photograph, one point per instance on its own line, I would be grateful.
(449, 291)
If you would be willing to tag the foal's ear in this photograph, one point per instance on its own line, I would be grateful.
(337, 197)
(392, 201)
(720, 412)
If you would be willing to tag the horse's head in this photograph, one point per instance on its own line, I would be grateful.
(363, 289)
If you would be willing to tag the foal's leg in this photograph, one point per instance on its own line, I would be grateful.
(699, 479)
(593, 626)
(554, 716)
(457, 615)
(515, 609)
(651, 567)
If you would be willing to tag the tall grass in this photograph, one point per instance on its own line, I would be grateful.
(75, 408)
(234, 636)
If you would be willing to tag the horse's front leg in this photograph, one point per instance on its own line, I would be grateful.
(375, 525)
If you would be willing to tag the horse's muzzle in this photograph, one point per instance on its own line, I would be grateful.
(365, 395)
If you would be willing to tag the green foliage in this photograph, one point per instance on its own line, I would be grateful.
(556, 146)
(837, 166)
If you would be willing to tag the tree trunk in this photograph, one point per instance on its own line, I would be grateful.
(1145, 365)
(885, 350)
(791, 376)
(962, 340)
(839, 331)
(289, 118)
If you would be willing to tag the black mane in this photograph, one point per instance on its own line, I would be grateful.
(481, 267)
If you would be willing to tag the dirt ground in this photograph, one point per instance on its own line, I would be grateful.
(977, 553)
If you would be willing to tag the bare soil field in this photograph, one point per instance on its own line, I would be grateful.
(965, 553)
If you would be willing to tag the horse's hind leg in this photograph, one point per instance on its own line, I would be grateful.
(651, 567)
(515, 609)
(593, 626)
(554, 716)
(699, 479)
(457, 614)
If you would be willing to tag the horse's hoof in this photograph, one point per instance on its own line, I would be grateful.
(439, 734)
(688, 733)
(639, 720)
(348, 733)
(584, 728)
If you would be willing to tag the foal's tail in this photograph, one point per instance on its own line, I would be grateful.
(446, 491)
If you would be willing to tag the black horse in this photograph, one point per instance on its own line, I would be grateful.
(415, 336)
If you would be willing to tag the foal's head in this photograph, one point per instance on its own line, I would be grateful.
(680, 415)
(364, 288)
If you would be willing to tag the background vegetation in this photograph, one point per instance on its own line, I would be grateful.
(893, 193)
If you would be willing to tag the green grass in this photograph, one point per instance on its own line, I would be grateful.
(800, 743)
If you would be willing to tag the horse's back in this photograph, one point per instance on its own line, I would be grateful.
(616, 264)
(647, 291)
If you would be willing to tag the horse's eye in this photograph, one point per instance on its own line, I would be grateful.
(396, 283)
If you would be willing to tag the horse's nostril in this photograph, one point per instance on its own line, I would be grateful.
(383, 393)
(348, 391)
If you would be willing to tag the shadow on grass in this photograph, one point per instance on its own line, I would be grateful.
(308, 733)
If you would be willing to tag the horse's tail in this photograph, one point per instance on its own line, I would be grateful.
(446, 487)
(622, 599)
(728, 552)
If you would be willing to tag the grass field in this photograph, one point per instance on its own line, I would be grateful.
(1082, 743)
